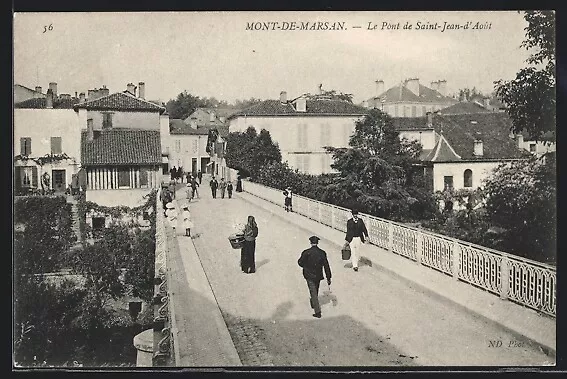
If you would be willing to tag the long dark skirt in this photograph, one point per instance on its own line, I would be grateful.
(247, 256)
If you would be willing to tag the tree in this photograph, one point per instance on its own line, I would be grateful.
(530, 97)
(465, 94)
(521, 199)
(331, 94)
(249, 151)
(378, 170)
(242, 104)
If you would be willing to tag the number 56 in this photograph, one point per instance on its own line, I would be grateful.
(46, 28)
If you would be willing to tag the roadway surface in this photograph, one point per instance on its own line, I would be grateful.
(370, 317)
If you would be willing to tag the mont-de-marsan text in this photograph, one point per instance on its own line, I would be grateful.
(294, 25)
(419, 25)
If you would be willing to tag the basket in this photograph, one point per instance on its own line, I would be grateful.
(236, 241)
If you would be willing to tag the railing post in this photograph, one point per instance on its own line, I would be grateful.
(504, 278)
(319, 209)
(456, 259)
(390, 237)
(419, 247)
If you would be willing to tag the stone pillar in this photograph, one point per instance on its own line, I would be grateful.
(144, 343)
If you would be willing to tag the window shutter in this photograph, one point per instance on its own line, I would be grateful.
(22, 146)
(143, 177)
(18, 178)
(34, 176)
(55, 145)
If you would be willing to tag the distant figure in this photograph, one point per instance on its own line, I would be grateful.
(188, 192)
(173, 172)
(172, 188)
(238, 184)
(165, 198)
(287, 200)
(200, 176)
(356, 231)
(313, 261)
(214, 185)
(222, 187)
(229, 189)
(187, 223)
(247, 254)
(194, 187)
(180, 174)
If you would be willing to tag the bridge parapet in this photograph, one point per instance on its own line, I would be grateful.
(529, 283)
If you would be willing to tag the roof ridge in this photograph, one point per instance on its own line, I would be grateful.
(127, 93)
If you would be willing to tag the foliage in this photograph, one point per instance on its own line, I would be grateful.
(248, 152)
(521, 199)
(332, 95)
(243, 104)
(185, 104)
(530, 97)
(467, 94)
(46, 159)
(47, 236)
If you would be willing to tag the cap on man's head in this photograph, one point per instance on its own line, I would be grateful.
(314, 239)
(354, 212)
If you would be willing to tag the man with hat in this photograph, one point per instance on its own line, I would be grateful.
(287, 200)
(356, 231)
(313, 261)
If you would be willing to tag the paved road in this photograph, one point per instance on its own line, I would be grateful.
(371, 317)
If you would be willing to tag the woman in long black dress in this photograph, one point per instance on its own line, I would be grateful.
(247, 254)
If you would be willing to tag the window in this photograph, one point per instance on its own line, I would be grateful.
(325, 163)
(123, 177)
(325, 135)
(106, 120)
(306, 160)
(403, 111)
(413, 111)
(423, 111)
(195, 145)
(177, 145)
(396, 111)
(468, 178)
(25, 146)
(144, 177)
(347, 132)
(27, 176)
(55, 145)
(302, 136)
(532, 147)
(448, 182)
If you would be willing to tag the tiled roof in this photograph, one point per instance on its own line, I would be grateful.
(40, 103)
(179, 127)
(402, 93)
(313, 108)
(464, 107)
(121, 147)
(122, 101)
(494, 128)
(460, 134)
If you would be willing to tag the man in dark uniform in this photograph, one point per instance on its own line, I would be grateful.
(313, 261)
(214, 185)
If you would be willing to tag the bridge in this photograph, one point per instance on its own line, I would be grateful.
(418, 299)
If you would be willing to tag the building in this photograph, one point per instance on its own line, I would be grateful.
(46, 142)
(302, 128)
(188, 147)
(121, 145)
(209, 116)
(461, 150)
(410, 98)
(22, 93)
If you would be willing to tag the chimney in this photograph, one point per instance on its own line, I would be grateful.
(435, 86)
(478, 149)
(76, 97)
(413, 85)
(131, 88)
(379, 87)
(65, 96)
(442, 87)
(520, 141)
(38, 89)
(53, 88)
(283, 97)
(319, 89)
(429, 119)
(487, 103)
(90, 130)
(365, 104)
(103, 91)
(91, 94)
(82, 97)
(142, 90)
(301, 104)
(49, 99)
(212, 116)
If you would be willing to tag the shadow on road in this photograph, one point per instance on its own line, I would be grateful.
(261, 263)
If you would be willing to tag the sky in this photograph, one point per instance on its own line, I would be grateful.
(213, 54)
